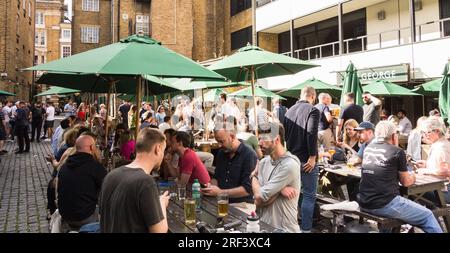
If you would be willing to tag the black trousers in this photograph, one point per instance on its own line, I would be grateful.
(36, 126)
(22, 135)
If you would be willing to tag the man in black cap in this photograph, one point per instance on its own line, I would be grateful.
(366, 135)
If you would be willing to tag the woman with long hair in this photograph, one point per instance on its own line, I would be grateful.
(351, 139)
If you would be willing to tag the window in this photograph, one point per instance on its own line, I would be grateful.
(36, 60)
(90, 5)
(239, 6)
(66, 34)
(241, 38)
(444, 9)
(142, 24)
(66, 51)
(40, 19)
(43, 39)
(89, 34)
(42, 58)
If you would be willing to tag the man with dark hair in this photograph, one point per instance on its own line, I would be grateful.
(302, 124)
(123, 111)
(57, 137)
(277, 173)
(37, 118)
(22, 124)
(129, 200)
(350, 111)
(79, 183)
(165, 125)
(234, 163)
(190, 166)
(404, 125)
(371, 107)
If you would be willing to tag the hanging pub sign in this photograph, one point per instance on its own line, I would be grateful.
(393, 73)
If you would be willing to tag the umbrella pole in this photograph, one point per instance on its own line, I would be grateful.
(155, 104)
(138, 102)
(252, 72)
(170, 106)
(205, 126)
(108, 104)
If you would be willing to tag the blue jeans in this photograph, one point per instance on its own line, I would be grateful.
(410, 212)
(309, 185)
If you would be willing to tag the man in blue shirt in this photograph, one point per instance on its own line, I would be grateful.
(235, 162)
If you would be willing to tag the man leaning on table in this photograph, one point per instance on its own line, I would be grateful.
(276, 181)
(234, 163)
(384, 165)
(438, 162)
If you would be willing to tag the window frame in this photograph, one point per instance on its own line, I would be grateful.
(90, 5)
(95, 32)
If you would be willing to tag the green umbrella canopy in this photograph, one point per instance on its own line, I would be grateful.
(388, 89)
(429, 88)
(352, 84)
(266, 64)
(185, 84)
(444, 94)
(5, 93)
(98, 84)
(55, 90)
(318, 85)
(135, 55)
(259, 92)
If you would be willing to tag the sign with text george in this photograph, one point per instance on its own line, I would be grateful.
(394, 73)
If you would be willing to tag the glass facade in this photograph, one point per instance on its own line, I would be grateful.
(325, 32)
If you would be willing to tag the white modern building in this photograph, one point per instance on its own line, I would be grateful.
(403, 41)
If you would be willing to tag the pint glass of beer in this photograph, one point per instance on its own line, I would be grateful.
(222, 205)
(189, 211)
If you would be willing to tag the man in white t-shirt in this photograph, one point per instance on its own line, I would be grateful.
(7, 113)
(49, 120)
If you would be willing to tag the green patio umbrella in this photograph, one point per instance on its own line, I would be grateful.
(429, 88)
(5, 93)
(55, 90)
(250, 63)
(133, 57)
(352, 84)
(259, 92)
(318, 85)
(387, 89)
(185, 84)
(444, 94)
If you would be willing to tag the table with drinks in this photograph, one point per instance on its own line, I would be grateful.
(415, 192)
(209, 215)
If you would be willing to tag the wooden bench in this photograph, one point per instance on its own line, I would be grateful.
(382, 222)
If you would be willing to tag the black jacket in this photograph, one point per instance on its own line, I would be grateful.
(79, 184)
(301, 124)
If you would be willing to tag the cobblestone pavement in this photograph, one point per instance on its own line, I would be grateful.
(23, 189)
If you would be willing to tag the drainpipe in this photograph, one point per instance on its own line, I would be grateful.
(340, 29)
(412, 16)
(118, 19)
(254, 35)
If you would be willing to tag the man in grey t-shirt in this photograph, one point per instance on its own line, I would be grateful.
(276, 181)
(372, 108)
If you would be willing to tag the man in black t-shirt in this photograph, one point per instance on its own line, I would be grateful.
(351, 111)
(325, 135)
(129, 200)
(123, 109)
(384, 165)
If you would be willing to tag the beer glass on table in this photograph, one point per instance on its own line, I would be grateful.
(189, 211)
(222, 204)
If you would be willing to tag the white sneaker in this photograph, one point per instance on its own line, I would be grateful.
(47, 139)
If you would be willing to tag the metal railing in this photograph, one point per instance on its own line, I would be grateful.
(397, 37)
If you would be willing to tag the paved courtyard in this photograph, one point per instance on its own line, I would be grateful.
(23, 189)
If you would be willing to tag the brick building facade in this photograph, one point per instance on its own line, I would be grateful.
(17, 20)
(198, 29)
(53, 34)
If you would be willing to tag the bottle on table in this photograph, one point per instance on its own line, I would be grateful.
(253, 223)
(196, 193)
(321, 152)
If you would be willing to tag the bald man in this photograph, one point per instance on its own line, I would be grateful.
(79, 183)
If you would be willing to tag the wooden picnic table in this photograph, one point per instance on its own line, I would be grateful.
(415, 192)
(208, 214)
